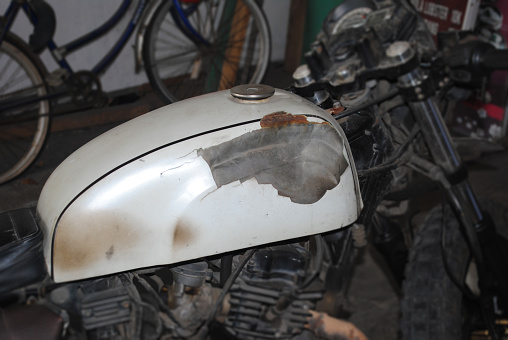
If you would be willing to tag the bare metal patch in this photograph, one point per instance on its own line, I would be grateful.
(301, 159)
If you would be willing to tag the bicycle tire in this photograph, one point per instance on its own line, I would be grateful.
(180, 66)
(23, 129)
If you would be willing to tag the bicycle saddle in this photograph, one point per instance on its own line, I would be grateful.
(44, 28)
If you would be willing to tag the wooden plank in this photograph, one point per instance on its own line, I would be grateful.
(235, 46)
(294, 42)
(77, 120)
(214, 75)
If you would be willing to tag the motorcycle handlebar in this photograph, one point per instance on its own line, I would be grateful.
(477, 56)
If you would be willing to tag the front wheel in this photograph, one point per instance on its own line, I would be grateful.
(192, 48)
(433, 306)
(23, 127)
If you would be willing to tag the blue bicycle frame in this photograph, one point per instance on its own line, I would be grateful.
(179, 14)
(59, 53)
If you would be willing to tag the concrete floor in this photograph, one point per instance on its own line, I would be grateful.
(372, 300)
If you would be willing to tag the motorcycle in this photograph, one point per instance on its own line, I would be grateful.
(237, 214)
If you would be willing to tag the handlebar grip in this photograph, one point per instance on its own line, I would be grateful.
(493, 59)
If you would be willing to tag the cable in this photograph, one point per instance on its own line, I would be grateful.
(320, 244)
(229, 282)
(352, 110)
(395, 158)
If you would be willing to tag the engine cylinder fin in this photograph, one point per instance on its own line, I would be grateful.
(245, 311)
(257, 290)
(258, 298)
(250, 302)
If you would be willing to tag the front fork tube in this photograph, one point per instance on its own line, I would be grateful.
(444, 154)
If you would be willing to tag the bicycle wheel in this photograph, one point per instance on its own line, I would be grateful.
(193, 47)
(23, 129)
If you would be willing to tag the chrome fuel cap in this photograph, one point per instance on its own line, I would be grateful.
(252, 91)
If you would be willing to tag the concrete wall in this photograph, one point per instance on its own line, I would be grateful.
(75, 18)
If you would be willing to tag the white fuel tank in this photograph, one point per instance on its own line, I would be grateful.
(200, 177)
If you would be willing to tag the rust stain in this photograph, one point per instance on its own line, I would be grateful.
(336, 110)
(182, 235)
(29, 181)
(281, 119)
(80, 244)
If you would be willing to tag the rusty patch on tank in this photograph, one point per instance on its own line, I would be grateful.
(301, 159)
(182, 235)
(281, 118)
(80, 244)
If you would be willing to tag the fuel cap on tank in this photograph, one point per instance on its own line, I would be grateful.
(252, 91)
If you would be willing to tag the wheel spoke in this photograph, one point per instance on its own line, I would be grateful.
(6, 66)
(230, 27)
(176, 59)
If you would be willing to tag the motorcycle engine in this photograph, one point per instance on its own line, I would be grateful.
(268, 300)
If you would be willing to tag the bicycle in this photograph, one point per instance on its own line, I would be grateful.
(188, 47)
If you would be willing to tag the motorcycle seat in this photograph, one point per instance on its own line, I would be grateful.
(21, 254)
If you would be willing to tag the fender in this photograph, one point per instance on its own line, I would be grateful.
(197, 178)
(140, 34)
